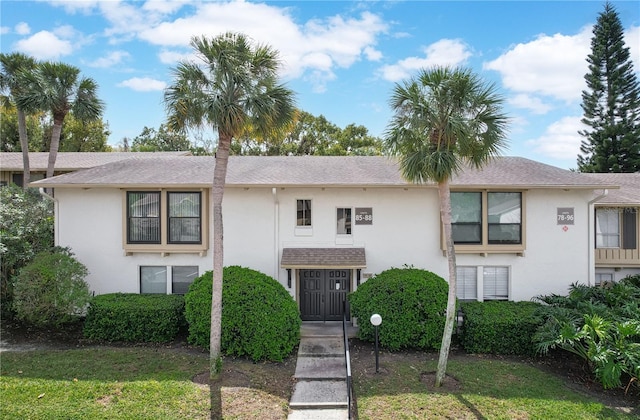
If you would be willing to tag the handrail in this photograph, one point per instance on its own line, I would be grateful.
(347, 355)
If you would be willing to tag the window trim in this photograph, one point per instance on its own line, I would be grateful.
(485, 247)
(129, 218)
(349, 233)
(304, 217)
(164, 247)
(169, 217)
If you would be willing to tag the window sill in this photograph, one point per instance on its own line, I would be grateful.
(303, 231)
(485, 250)
(164, 250)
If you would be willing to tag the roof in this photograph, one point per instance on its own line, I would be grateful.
(323, 257)
(629, 192)
(72, 161)
(311, 171)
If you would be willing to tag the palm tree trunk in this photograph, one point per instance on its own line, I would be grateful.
(24, 145)
(53, 147)
(445, 215)
(215, 358)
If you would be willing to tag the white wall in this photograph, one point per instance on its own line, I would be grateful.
(405, 230)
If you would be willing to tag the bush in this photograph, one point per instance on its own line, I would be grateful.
(26, 229)
(135, 318)
(412, 304)
(500, 327)
(260, 319)
(598, 324)
(51, 291)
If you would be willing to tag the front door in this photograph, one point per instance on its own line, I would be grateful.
(323, 293)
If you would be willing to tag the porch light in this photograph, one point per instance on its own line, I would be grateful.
(376, 320)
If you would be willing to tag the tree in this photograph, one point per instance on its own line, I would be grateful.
(12, 66)
(233, 89)
(161, 140)
(56, 87)
(445, 119)
(9, 130)
(611, 103)
(84, 136)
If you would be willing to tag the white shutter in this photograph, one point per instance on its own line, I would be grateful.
(496, 283)
(467, 283)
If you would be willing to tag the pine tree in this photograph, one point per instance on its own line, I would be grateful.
(611, 103)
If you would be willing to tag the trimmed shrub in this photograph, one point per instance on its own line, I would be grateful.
(412, 303)
(51, 291)
(135, 318)
(260, 319)
(500, 327)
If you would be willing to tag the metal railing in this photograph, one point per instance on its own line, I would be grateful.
(347, 356)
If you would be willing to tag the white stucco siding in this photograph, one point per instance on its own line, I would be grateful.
(90, 222)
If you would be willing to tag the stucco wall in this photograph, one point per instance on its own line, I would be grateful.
(405, 230)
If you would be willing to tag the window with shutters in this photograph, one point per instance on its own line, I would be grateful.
(495, 283)
(467, 283)
(616, 227)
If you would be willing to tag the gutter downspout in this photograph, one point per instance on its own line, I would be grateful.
(592, 238)
(276, 232)
(56, 231)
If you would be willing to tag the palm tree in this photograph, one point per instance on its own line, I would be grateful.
(445, 119)
(234, 90)
(12, 65)
(56, 87)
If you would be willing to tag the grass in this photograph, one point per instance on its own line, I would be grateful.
(157, 383)
(479, 388)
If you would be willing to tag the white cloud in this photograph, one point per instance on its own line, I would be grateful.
(45, 45)
(529, 102)
(372, 54)
(445, 52)
(23, 28)
(172, 57)
(111, 59)
(561, 139)
(143, 84)
(4, 30)
(632, 40)
(551, 66)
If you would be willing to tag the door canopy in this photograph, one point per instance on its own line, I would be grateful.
(323, 258)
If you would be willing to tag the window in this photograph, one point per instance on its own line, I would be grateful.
(143, 217)
(303, 213)
(160, 220)
(603, 278)
(616, 228)
(466, 217)
(495, 283)
(344, 221)
(181, 278)
(486, 220)
(184, 217)
(467, 286)
(153, 279)
(504, 217)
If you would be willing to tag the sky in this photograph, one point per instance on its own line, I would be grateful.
(341, 58)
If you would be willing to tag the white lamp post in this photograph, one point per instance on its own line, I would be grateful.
(376, 320)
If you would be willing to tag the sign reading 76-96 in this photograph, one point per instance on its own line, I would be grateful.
(364, 216)
(565, 216)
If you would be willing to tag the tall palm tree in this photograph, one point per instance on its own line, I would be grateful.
(445, 119)
(12, 65)
(58, 88)
(233, 89)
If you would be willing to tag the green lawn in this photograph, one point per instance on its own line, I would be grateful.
(103, 383)
(486, 389)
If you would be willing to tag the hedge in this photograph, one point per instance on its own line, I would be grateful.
(134, 317)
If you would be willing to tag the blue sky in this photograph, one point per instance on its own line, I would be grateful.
(342, 58)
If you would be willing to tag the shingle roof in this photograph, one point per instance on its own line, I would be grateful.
(629, 192)
(72, 161)
(323, 257)
(310, 171)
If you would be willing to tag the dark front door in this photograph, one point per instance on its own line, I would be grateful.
(322, 293)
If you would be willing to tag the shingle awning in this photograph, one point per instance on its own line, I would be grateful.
(323, 258)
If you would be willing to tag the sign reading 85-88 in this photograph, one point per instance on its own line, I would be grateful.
(364, 216)
(565, 216)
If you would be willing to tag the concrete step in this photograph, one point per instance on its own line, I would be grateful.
(326, 414)
(321, 347)
(319, 395)
(321, 368)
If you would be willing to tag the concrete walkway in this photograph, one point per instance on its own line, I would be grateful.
(321, 388)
